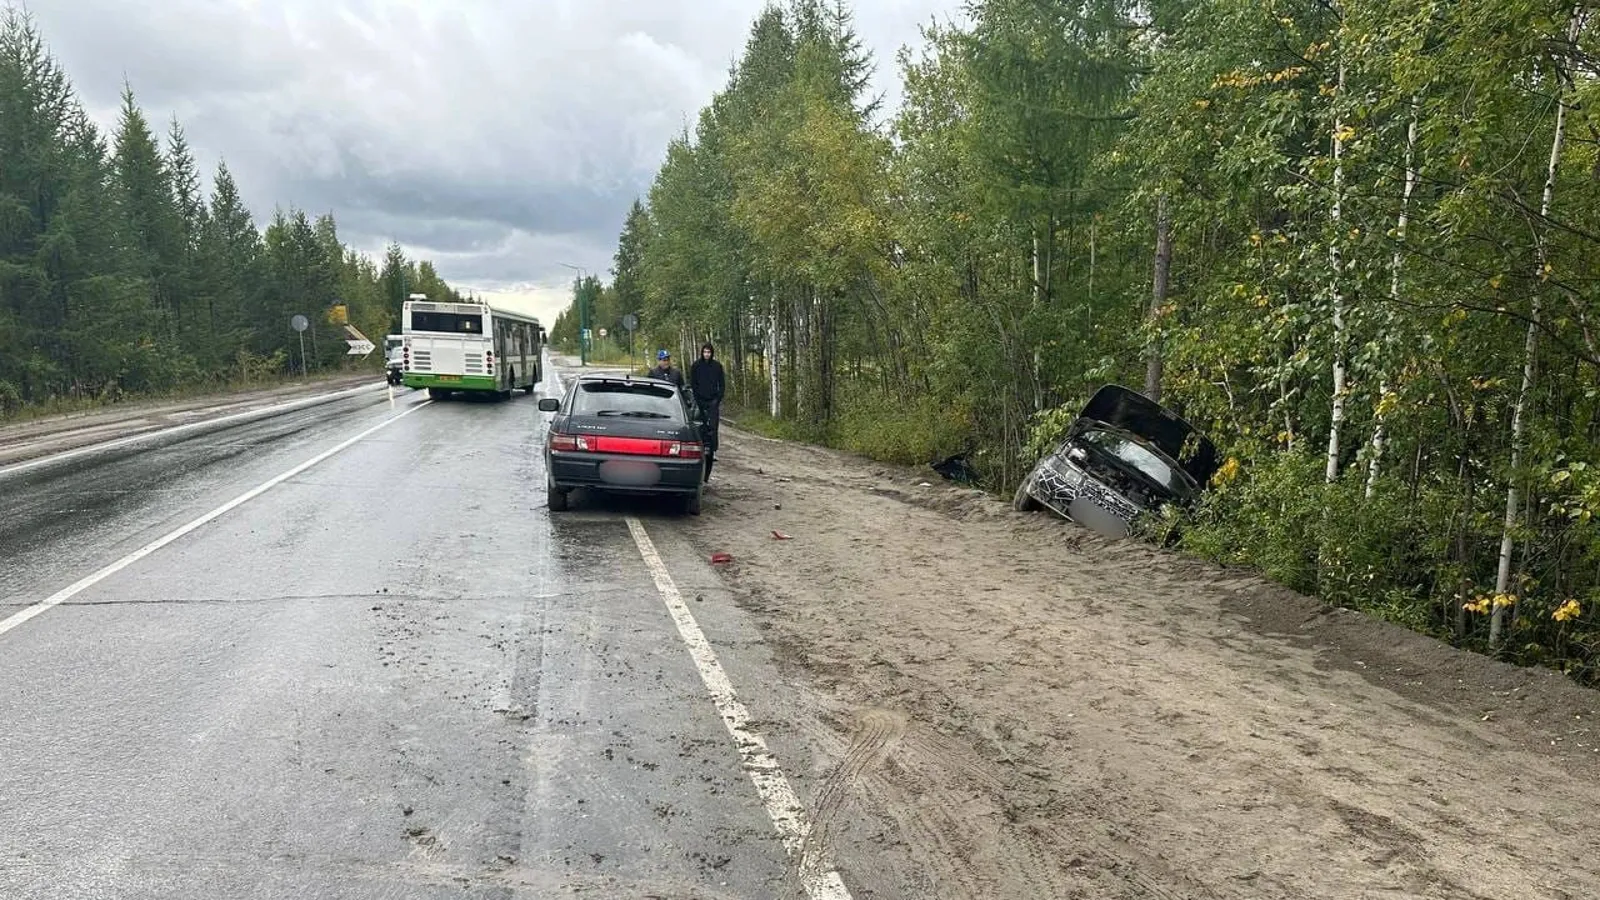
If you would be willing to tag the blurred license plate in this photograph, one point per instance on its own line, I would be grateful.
(630, 473)
(449, 377)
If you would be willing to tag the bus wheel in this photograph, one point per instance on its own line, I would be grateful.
(438, 393)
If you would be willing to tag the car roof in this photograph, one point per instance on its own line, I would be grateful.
(597, 378)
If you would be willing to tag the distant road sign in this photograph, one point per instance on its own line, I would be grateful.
(630, 322)
(299, 323)
(602, 332)
(359, 348)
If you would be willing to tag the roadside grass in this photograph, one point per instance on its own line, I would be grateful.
(904, 431)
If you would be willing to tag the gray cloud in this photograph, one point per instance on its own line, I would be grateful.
(503, 140)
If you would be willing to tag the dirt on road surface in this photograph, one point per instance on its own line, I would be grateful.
(1007, 706)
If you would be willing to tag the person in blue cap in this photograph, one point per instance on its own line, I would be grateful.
(665, 370)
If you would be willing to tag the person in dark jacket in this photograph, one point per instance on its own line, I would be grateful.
(708, 383)
(664, 369)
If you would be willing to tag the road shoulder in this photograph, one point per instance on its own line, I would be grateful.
(1007, 705)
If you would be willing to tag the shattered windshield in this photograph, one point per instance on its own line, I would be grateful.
(1137, 457)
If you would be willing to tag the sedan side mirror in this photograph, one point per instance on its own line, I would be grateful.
(549, 404)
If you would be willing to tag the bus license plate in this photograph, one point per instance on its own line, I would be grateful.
(449, 377)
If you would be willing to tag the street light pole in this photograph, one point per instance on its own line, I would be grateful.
(580, 297)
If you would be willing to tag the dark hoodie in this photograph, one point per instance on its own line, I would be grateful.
(706, 378)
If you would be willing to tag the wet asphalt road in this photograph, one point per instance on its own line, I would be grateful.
(391, 675)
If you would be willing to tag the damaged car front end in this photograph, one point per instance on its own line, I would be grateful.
(1124, 457)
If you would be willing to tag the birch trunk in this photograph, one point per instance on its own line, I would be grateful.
(1379, 437)
(1336, 264)
(772, 354)
(1039, 298)
(1502, 578)
(1158, 298)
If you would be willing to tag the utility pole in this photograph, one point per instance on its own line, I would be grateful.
(580, 296)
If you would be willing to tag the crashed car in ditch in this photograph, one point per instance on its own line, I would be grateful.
(1123, 457)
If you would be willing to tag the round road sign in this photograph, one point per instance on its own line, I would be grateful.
(630, 322)
(299, 323)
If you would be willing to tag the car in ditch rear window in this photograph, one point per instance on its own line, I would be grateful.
(623, 434)
(1125, 456)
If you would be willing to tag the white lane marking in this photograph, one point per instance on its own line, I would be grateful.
(89, 581)
(262, 412)
(783, 806)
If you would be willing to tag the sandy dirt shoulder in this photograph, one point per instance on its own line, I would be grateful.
(1005, 705)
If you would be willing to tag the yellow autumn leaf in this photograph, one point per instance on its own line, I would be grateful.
(1227, 472)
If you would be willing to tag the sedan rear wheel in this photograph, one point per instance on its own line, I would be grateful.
(557, 498)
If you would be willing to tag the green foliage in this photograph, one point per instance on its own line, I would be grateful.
(910, 431)
(118, 275)
(963, 276)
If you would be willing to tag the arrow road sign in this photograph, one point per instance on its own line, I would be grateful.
(359, 348)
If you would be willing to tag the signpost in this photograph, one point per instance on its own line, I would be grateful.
(630, 324)
(299, 323)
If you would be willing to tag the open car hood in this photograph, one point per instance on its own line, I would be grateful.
(1133, 412)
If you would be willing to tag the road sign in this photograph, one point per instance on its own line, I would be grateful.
(602, 332)
(299, 323)
(358, 342)
(630, 322)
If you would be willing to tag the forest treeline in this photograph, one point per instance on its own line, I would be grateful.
(1356, 242)
(122, 275)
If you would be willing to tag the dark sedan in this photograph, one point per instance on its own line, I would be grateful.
(623, 434)
(1125, 456)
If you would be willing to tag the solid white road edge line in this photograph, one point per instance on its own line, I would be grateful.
(260, 413)
(89, 581)
(783, 806)
(787, 813)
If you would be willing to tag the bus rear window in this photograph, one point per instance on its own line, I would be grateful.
(450, 323)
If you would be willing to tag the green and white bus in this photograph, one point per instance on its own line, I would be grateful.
(452, 347)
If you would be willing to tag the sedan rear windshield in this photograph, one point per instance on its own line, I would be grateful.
(647, 401)
(449, 323)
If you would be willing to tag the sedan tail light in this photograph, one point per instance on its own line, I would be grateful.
(684, 450)
(569, 442)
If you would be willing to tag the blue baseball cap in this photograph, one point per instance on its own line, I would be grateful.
(662, 354)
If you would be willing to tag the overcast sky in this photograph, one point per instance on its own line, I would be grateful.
(498, 138)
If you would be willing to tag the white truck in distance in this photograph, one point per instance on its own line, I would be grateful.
(394, 357)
